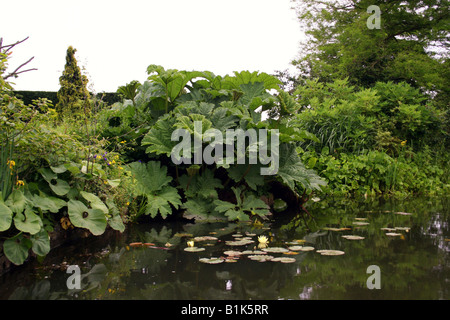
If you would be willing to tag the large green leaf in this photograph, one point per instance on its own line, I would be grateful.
(6, 215)
(28, 221)
(248, 173)
(16, 201)
(158, 139)
(149, 177)
(16, 249)
(202, 185)
(47, 203)
(152, 182)
(292, 170)
(40, 243)
(92, 219)
(115, 221)
(160, 202)
(244, 77)
(58, 186)
(94, 201)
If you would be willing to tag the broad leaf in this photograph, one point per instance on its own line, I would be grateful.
(16, 249)
(158, 139)
(16, 201)
(161, 201)
(28, 221)
(40, 243)
(92, 219)
(5, 217)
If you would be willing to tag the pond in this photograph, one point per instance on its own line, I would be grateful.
(396, 250)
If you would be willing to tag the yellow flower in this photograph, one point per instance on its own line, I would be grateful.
(190, 243)
(263, 239)
(403, 143)
(113, 162)
(120, 168)
(124, 141)
(20, 183)
(128, 203)
(11, 163)
(99, 157)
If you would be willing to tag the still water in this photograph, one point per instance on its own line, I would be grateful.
(402, 248)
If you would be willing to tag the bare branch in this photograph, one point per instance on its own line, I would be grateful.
(10, 46)
(16, 72)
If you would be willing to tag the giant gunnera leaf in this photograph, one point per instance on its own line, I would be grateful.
(152, 181)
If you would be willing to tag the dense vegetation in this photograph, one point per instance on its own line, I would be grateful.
(89, 165)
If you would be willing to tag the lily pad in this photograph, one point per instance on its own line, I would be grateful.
(275, 249)
(307, 248)
(403, 213)
(393, 234)
(353, 237)
(253, 252)
(284, 260)
(295, 248)
(260, 257)
(193, 249)
(331, 252)
(360, 223)
(233, 253)
(242, 242)
(211, 260)
(205, 238)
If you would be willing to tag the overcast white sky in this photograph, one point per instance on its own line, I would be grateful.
(117, 40)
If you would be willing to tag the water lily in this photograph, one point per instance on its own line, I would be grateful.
(190, 243)
(263, 239)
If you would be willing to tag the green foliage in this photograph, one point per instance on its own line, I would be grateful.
(73, 96)
(222, 103)
(341, 45)
(152, 182)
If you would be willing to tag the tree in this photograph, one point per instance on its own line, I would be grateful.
(73, 96)
(411, 44)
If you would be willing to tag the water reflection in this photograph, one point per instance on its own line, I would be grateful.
(414, 264)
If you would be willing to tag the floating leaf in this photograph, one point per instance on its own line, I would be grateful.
(242, 242)
(352, 237)
(295, 248)
(403, 213)
(393, 234)
(337, 229)
(260, 257)
(330, 252)
(306, 248)
(284, 260)
(403, 228)
(275, 250)
(233, 253)
(205, 238)
(211, 260)
(290, 253)
(253, 252)
(193, 249)
(359, 223)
